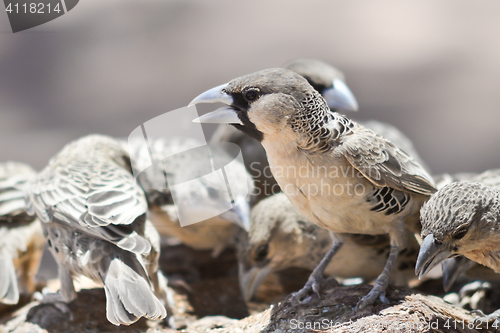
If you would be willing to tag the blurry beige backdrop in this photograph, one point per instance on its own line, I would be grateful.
(430, 67)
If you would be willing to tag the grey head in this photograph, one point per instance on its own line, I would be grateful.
(323, 77)
(264, 102)
(327, 80)
(460, 219)
(454, 267)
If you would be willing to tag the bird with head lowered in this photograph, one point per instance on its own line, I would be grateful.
(462, 218)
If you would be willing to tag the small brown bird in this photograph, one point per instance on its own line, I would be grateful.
(456, 266)
(462, 218)
(199, 198)
(330, 83)
(353, 180)
(281, 238)
(93, 215)
(21, 239)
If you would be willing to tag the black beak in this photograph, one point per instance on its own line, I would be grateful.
(431, 253)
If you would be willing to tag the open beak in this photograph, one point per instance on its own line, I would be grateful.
(214, 95)
(431, 253)
(452, 268)
(251, 279)
(340, 97)
(224, 115)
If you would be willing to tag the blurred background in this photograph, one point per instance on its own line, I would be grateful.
(432, 68)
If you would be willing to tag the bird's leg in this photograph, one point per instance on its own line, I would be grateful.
(378, 290)
(316, 277)
(68, 292)
(61, 299)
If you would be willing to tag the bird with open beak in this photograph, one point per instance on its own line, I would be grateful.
(330, 83)
(340, 175)
(462, 218)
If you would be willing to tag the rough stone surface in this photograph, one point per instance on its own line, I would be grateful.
(208, 300)
(408, 311)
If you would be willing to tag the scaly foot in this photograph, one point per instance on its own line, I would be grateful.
(312, 284)
(369, 299)
(52, 309)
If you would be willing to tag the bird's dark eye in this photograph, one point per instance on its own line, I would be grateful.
(251, 95)
(261, 252)
(460, 233)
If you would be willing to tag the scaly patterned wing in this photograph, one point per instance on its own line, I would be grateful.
(384, 164)
(13, 179)
(93, 195)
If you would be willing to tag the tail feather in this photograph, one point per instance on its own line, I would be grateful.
(9, 291)
(135, 243)
(129, 295)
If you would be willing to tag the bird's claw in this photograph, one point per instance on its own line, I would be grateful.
(491, 318)
(369, 299)
(383, 299)
(46, 296)
(52, 308)
(473, 287)
(313, 284)
(478, 312)
(47, 313)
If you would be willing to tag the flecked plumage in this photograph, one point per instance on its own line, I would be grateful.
(456, 266)
(299, 131)
(94, 221)
(21, 240)
(325, 79)
(461, 210)
(462, 218)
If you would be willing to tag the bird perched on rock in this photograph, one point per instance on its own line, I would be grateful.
(199, 198)
(21, 239)
(280, 238)
(462, 218)
(352, 180)
(93, 215)
(330, 83)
